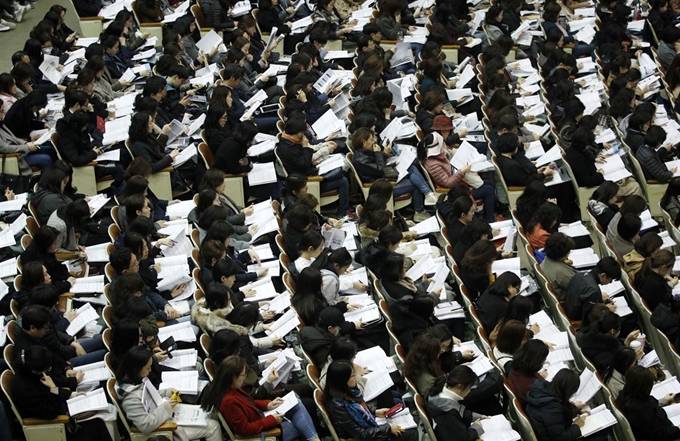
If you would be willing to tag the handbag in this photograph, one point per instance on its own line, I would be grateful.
(18, 184)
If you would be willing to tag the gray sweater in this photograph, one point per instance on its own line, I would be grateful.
(66, 240)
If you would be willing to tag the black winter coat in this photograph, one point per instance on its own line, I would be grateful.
(450, 424)
(584, 168)
(317, 342)
(75, 145)
(152, 149)
(348, 429)
(600, 349)
(654, 290)
(549, 418)
(491, 308)
(647, 419)
(295, 158)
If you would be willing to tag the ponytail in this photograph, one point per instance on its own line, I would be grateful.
(459, 376)
(658, 259)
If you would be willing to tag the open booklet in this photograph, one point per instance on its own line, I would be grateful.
(599, 419)
(283, 365)
(588, 387)
(91, 401)
(403, 419)
(182, 415)
(84, 315)
(498, 428)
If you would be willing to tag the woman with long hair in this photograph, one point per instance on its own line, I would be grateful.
(543, 223)
(519, 308)
(533, 196)
(527, 367)
(65, 220)
(602, 204)
(511, 336)
(444, 406)
(130, 386)
(475, 269)
(422, 366)
(644, 412)
(36, 395)
(127, 334)
(309, 300)
(144, 144)
(615, 377)
(398, 286)
(213, 179)
(350, 414)
(552, 414)
(309, 248)
(643, 249)
(217, 125)
(376, 253)
(493, 303)
(245, 414)
(654, 281)
(599, 341)
(42, 250)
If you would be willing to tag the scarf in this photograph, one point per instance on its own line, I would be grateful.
(291, 138)
(408, 284)
(359, 412)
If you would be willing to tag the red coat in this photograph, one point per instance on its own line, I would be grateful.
(243, 414)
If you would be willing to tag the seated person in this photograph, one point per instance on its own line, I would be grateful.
(556, 266)
(584, 289)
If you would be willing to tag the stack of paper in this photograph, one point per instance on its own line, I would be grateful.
(498, 267)
(91, 401)
(264, 290)
(598, 419)
(182, 331)
(84, 315)
(583, 258)
(95, 372)
(498, 428)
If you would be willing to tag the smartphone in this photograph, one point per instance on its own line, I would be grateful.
(168, 346)
(395, 410)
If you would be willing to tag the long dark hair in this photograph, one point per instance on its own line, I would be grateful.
(563, 386)
(124, 335)
(503, 283)
(135, 359)
(74, 213)
(548, 216)
(624, 359)
(337, 376)
(639, 383)
(479, 257)
(423, 357)
(534, 195)
(224, 343)
(658, 259)
(308, 295)
(139, 128)
(460, 376)
(230, 368)
(529, 359)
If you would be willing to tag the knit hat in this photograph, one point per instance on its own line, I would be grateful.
(331, 317)
(442, 122)
(435, 147)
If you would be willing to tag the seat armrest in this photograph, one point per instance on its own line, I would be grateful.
(11, 155)
(240, 175)
(166, 169)
(165, 427)
(66, 256)
(315, 178)
(93, 18)
(61, 419)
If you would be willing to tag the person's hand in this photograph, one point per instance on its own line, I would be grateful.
(611, 307)
(507, 254)
(358, 325)
(466, 169)
(172, 312)
(70, 315)
(262, 272)
(353, 307)
(264, 78)
(184, 102)
(580, 420)
(278, 417)
(535, 328)
(179, 289)
(273, 375)
(360, 286)
(377, 148)
(549, 172)
(250, 293)
(304, 141)
(468, 354)
(380, 413)
(71, 281)
(396, 429)
(166, 129)
(174, 153)
(172, 403)
(253, 229)
(161, 356)
(273, 404)
(165, 241)
(267, 315)
(253, 255)
(79, 349)
(248, 211)
(145, 73)
(672, 281)
(668, 399)
(47, 381)
(632, 336)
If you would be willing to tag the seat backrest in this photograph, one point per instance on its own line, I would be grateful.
(524, 425)
(313, 375)
(11, 330)
(114, 215)
(34, 212)
(196, 274)
(6, 383)
(8, 354)
(424, 417)
(32, 226)
(55, 143)
(196, 237)
(107, 315)
(107, 338)
(108, 361)
(284, 260)
(280, 162)
(196, 258)
(383, 309)
(197, 12)
(206, 155)
(109, 271)
(198, 295)
(318, 399)
(205, 343)
(111, 391)
(279, 243)
(289, 282)
(209, 367)
(401, 353)
(114, 232)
